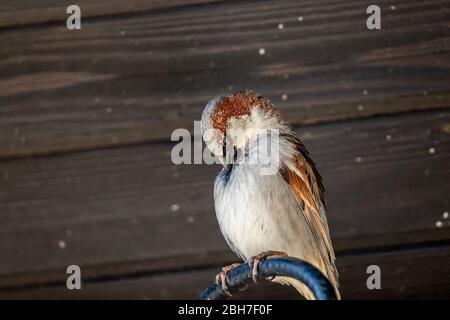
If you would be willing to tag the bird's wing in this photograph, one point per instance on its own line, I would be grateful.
(306, 184)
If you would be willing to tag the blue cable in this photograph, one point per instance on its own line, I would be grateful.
(241, 276)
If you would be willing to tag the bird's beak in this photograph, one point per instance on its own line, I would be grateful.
(222, 161)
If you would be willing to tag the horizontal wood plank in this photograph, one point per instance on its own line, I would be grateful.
(405, 274)
(130, 209)
(19, 13)
(134, 79)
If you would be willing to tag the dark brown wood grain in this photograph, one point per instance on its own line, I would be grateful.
(129, 209)
(408, 273)
(134, 78)
(18, 13)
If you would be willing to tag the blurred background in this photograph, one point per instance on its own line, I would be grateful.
(86, 115)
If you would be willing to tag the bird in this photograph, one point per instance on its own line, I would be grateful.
(267, 213)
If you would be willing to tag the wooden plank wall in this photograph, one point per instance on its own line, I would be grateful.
(85, 120)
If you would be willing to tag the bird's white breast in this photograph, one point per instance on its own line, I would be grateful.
(259, 213)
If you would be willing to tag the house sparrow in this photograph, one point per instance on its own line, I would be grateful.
(261, 214)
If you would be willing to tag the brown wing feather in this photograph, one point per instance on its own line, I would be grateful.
(306, 185)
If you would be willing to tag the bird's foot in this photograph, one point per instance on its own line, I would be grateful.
(221, 277)
(263, 255)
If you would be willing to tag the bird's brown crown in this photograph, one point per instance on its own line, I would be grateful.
(237, 104)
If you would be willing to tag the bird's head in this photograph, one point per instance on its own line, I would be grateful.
(231, 123)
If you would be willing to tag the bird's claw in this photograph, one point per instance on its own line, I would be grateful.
(221, 280)
(263, 255)
(221, 277)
